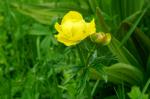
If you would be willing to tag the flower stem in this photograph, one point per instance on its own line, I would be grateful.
(146, 86)
(89, 55)
(80, 55)
(95, 86)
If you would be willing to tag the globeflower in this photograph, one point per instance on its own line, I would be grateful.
(73, 28)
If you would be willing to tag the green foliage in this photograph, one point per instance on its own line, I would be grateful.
(33, 65)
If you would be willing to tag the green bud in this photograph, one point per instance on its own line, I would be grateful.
(101, 38)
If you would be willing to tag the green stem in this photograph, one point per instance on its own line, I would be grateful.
(38, 47)
(146, 86)
(95, 86)
(89, 55)
(80, 55)
(10, 88)
(8, 25)
(144, 89)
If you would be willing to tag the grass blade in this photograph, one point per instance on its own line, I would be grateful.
(133, 28)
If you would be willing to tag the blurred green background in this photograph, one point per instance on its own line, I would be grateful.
(33, 65)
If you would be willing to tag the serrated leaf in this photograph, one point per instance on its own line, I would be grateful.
(135, 93)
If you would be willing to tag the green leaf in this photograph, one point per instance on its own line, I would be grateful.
(102, 25)
(40, 14)
(93, 5)
(128, 34)
(45, 12)
(148, 66)
(135, 93)
(121, 72)
(39, 30)
(122, 54)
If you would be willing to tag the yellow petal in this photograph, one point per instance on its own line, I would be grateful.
(90, 29)
(65, 40)
(66, 28)
(78, 30)
(72, 16)
(58, 27)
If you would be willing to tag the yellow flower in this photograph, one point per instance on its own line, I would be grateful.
(73, 28)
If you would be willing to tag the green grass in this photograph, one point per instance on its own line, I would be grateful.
(34, 65)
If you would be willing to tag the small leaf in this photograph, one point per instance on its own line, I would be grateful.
(135, 93)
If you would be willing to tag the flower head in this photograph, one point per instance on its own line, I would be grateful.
(73, 28)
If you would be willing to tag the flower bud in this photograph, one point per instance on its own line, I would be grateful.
(101, 38)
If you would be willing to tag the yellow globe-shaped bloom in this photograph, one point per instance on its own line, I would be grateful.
(73, 28)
